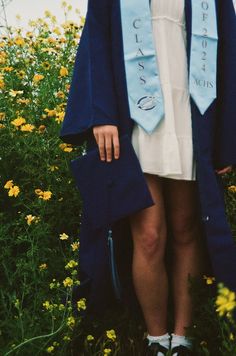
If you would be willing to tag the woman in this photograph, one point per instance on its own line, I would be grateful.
(192, 150)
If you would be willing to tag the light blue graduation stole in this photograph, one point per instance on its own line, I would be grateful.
(142, 75)
(203, 57)
(141, 66)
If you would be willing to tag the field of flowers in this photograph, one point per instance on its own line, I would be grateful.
(40, 213)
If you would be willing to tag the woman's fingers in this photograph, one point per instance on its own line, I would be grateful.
(107, 139)
(108, 146)
(101, 146)
(116, 146)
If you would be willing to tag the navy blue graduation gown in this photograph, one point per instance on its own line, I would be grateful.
(98, 96)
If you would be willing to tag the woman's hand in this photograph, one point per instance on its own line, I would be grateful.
(107, 137)
(224, 170)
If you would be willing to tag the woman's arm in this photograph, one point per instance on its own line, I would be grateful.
(92, 97)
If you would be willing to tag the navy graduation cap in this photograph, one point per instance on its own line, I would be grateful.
(98, 96)
(111, 190)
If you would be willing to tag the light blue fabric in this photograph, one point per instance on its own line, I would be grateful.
(203, 57)
(142, 75)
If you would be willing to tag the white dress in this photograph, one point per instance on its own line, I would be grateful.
(168, 150)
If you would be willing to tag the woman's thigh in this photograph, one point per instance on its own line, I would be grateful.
(181, 199)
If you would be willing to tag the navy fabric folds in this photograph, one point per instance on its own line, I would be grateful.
(111, 190)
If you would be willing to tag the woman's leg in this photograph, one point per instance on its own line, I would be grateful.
(149, 274)
(181, 200)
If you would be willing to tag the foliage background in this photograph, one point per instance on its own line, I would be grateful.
(39, 229)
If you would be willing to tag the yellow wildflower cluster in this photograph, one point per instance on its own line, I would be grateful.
(111, 334)
(225, 301)
(48, 306)
(66, 147)
(45, 195)
(71, 264)
(13, 190)
(232, 189)
(107, 352)
(81, 304)
(71, 321)
(20, 123)
(51, 348)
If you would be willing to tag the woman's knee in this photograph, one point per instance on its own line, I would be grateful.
(184, 227)
(150, 241)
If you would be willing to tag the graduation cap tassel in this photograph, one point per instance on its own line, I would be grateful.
(114, 272)
(112, 260)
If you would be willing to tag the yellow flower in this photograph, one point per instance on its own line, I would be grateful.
(30, 218)
(27, 128)
(2, 84)
(232, 189)
(2, 116)
(42, 128)
(53, 168)
(111, 334)
(38, 191)
(225, 301)
(60, 94)
(68, 282)
(2, 126)
(64, 236)
(21, 74)
(8, 184)
(18, 122)
(71, 264)
(63, 72)
(14, 191)
(60, 117)
(46, 65)
(81, 304)
(51, 113)
(209, 280)
(37, 78)
(47, 13)
(19, 41)
(90, 338)
(107, 352)
(75, 246)
(45, 195)
(43, 266)
(66, 147)
(71, 321)
(47, 305)
(50, 349)
(66, 338)
(14, 93)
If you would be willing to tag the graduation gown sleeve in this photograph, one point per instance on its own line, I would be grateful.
(92, 97)
(225, 140)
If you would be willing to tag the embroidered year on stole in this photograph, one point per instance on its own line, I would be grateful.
(203, 57)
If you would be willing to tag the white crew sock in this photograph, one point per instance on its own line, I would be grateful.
(163, 340)
(177, 340)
